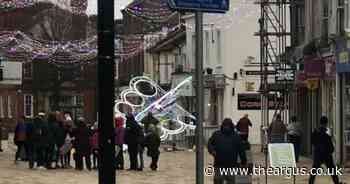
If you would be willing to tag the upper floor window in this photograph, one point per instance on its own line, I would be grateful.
(325, 20)
(28, 105)
(341, 17)
(27, 70)
(218, 46)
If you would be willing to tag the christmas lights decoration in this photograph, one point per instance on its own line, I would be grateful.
(160, 103)
(76, 6)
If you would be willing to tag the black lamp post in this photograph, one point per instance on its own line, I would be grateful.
(105, 91)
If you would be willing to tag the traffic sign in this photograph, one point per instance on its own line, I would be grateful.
(285, 75)
(209, 6)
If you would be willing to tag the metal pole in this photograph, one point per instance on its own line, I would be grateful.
(199, 99)
(105, 91)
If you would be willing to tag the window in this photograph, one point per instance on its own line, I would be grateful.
(9, 107)
(341, 17)
(218, 46)
(325, 20)
(28, 105)
(207, 48)
(28, 70)
(79, 100)
(193, 51)
(300, 13)
(211, 106)
(1, 107)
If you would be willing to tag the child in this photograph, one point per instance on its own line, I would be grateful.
(64, 150)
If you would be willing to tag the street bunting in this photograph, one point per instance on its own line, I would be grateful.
(208, 6)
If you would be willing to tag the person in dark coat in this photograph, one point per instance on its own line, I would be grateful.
(152, 142)
(82, 144)
(133, 132)
(323, 149)
(119, 141)
(49, 134)
(20, 138)
(30, 143)
(225, 145)
(243, 127)
(60, 136)
(38, 141)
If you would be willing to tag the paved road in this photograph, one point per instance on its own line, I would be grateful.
(175, 168)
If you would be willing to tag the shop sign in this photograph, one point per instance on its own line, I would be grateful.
(312, 84)
(342, 56)
(314, 68)
(330, 68)
(252, 101)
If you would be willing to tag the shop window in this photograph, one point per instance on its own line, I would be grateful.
(28, 105)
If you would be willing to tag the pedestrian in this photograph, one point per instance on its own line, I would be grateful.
(82, 145)
(277, 130)
(50, 135)
(225, 145)
(60, 138)
(94, 146)
(141, 148)
(323, 149)
(20, 139)
(1, 125)
(30, 142)
(294, 136)
(119, 141)
(133, 132)
(68, 126)
(152, 142)
(243, 127)
(39, 141)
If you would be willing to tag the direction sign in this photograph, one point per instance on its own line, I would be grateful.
(285, 75)
(209, 6)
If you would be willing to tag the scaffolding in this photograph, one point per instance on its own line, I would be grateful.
(274, 36)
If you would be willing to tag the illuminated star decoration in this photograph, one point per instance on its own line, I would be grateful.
(160, 103)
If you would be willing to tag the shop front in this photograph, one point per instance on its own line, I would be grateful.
(343, 97)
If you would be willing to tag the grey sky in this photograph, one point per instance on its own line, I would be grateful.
(118, 4)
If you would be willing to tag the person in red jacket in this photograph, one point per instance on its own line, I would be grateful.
(243, 127)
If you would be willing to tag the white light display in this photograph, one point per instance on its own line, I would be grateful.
(162, 104)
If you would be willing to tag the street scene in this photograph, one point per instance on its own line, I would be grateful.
(174, 91)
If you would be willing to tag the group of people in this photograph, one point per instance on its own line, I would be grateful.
(229, 143)
(48, 143)
(138, 137)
